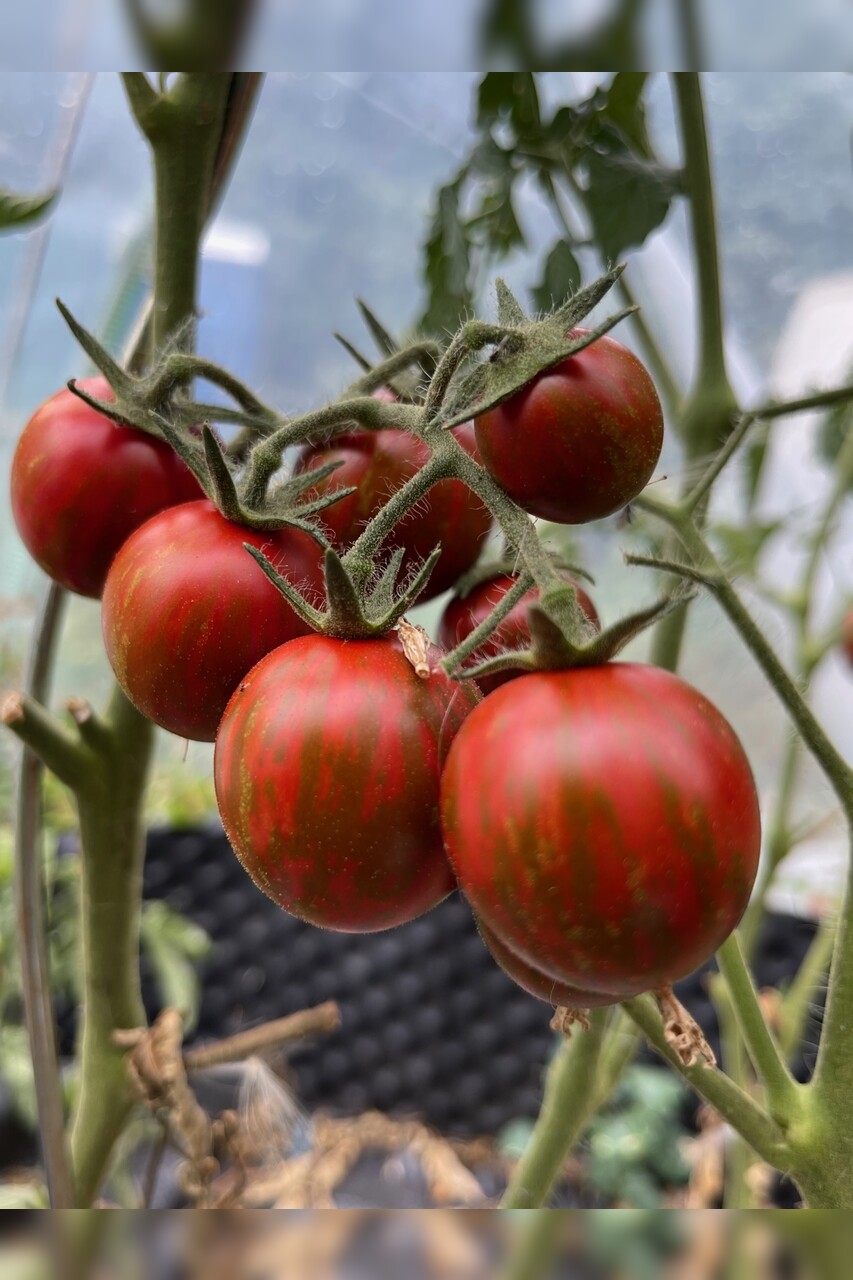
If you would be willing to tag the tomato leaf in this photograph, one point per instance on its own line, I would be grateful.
(448, 262)
(561, 276)
(18, 211)
(512, 95)
(625, 109)
(627, 197)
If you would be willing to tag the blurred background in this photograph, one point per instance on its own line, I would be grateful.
(373, 184)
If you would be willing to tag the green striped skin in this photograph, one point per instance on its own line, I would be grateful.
(187, 612)
(580, 440)
(327, 770)
(539, 984)
(603, 823)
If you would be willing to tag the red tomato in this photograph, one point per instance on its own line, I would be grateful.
(579, 441)
(378, 463)
(603, 823)
(81, 484)
(539, 984)
(187, 612)
(465, 613)
(327, 770)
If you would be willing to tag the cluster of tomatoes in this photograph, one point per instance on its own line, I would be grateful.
(602, 822)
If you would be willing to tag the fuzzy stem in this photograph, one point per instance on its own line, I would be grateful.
(535, 1246)
(46, 736)
(112, 837)
(777, 846)
(735, 1105)
(783, 1094)
(570, 1090)
(797, 999)
(457, 657)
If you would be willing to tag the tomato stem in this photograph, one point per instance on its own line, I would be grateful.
(535, 1245)
(570, 1097)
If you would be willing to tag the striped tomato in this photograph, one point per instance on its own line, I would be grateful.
(465, 613)
(604, 824)
(327, 770)
(187, 612)
(378, 463)
(81, 484)
(539, 984)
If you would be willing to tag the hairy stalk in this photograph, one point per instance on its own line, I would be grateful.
(711, 407)
(570, 1096)
(112, 837)
(738, 1158)
(535, 1246)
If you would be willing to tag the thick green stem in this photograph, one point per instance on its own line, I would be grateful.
(534, 1249)
(739, 1157)
(113, 841)
(783, 1093)
(570, 1093)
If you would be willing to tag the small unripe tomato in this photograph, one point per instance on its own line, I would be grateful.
(465, 613)
(580, 440)
(81, 484)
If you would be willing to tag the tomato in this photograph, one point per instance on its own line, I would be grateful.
(580, 440)
(378, 463)
(539, 984)
(464, 613)
(327, 770)
(81, 484)
(604, 823)
(187, 612)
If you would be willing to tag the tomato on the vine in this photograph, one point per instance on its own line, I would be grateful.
(327, 770)
(537, 983)
(81, 484)
(380, 462)
(580, 440)
(604, 824)
(187, 612)
(465, 613)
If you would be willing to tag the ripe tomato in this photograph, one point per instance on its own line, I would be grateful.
(327, 770)
(579, 441)
(378, 463)
(464, 613)
(539, 984)
(187, 612)
(603, 823)
(81, 485)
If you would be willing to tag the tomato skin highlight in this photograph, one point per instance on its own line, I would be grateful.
(464, 614)
(604, 823)
(81, 484)
(580, 440)
(380, 462)
(327, 769)
(187, 612)
(539, 984)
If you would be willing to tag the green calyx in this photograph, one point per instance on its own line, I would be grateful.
(550, 648)
(522, 347)
(354, 612)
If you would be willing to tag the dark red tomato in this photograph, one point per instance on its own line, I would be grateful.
(378, 463)
(187, 612)
(579, 441)
(539, 984)
(464, 613)
(327, 770)
(81, 485)
(604, 823)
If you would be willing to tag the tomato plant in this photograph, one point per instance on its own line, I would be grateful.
(603, 823)
(378, 463)
(580, 440)
(81, 484)
(327, 772)
(538, 983)
(187, 612)
(464, 613)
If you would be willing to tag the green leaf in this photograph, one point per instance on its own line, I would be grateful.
(561, 276)
(510, 95)
(625, 109)
(18, 211)
(174, 947)
(447, 264)
(627, 198)
(742, 545)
